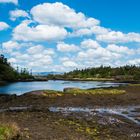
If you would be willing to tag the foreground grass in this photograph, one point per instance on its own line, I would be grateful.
(77, 91)
(9, 131)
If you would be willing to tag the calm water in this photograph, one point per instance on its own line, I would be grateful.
(23, 87)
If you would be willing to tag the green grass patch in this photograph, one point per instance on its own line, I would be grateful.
(134, 85)
(52, 93)
(76, 91)
(8, 131)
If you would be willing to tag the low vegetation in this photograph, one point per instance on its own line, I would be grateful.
(100, 91)
(91, 129)
(9, 131)
(52, 93)
(77, 91)
(134, 85)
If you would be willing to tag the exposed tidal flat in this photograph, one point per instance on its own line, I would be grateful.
(73, 114)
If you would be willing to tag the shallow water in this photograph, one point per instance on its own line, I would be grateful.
(130, 112)
(23, 87)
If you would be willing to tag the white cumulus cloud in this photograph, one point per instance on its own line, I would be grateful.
(89, 43)
(94, 30)
(9, 1)
(118, 37)
(69, 64)
(120, 49)
(3, 26)
(61, 15)
(18, 13)
(134, 62)
(24, 32)
(9, 46)
(33, 56)
(63, 47)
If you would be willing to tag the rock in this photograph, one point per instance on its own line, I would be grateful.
(70, 89)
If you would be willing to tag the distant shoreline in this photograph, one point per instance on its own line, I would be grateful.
(27, 80)
(41, 79)
(97, 79)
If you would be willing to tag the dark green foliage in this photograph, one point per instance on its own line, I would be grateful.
(24, 75)
(8, 73)
(119, 73)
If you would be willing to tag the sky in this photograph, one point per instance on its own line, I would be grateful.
(50, 35)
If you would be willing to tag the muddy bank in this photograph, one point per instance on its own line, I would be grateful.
(79, 117)
(37, 98)
(37, 124)
(46, 125)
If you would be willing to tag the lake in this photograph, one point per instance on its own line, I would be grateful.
(20, 88)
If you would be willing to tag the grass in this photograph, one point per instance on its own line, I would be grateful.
(80, 127)
(8, 131)
(134, 85)
(52, 93)
(90, 128)
(101, 91)
(77, 91)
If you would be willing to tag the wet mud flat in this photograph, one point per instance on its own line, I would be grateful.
(128, 113)
(74, 123)
(81, 117)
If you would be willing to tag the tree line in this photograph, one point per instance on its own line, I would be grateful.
(128, 72)
(8, 73)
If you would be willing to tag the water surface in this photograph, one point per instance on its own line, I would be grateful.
(23, 87)
(131, 113)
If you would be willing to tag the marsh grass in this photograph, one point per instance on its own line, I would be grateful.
(134, 85)
(52, 93)
(9, 131)
(90, 128)
(77, 91)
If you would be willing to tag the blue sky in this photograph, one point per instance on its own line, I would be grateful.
(49, 35)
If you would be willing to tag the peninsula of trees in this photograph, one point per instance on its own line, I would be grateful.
(123, 73)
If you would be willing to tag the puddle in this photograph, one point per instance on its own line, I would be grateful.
(130, 112)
